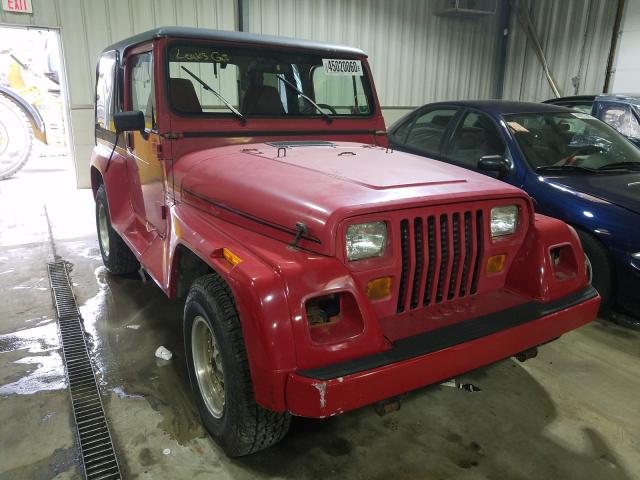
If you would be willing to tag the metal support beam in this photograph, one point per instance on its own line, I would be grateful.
(615, 38)
(501, 47)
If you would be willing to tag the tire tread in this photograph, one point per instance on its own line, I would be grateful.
(12, 105)
(260, 427)
(121, 260)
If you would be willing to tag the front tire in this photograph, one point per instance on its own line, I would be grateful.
(597, 260)
(219, 372)
(16, 138)
(116, 255)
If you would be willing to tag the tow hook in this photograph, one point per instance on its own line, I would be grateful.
(527, 354)
(389, 405)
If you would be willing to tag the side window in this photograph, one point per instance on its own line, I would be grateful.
(400, 134)
(429, 128)
(621, 118)
(476, 137)
(143, 88)
(105, 91)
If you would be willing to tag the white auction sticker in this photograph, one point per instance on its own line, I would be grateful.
(342, 67)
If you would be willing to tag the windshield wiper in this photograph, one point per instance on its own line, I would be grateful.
(564, 168)
(328, 117)
(242, 118)
(621, 166)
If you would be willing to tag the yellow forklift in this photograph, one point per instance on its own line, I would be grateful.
(21, 93)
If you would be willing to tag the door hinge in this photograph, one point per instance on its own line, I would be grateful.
(171, 135)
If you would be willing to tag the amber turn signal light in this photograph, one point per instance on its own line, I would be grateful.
(495, 264)
(230, 257)
(379, 288)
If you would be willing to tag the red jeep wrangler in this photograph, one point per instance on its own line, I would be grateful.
(322, 271)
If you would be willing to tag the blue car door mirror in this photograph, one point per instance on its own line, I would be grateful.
(494, 164)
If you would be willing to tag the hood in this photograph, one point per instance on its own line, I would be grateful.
(269, 187)
(622, 189)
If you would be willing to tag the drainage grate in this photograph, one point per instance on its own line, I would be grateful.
(98, 455)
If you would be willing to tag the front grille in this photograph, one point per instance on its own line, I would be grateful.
(441, 258)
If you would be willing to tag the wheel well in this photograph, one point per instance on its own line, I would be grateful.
(189, 268)
(96, 180)
(602, 245)
(587, 232)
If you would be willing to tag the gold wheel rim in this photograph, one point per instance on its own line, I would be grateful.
(207, 364)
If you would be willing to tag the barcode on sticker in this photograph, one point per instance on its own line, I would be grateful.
(342, 67)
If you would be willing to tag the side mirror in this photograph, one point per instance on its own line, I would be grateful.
(129, 121)
(494, 163)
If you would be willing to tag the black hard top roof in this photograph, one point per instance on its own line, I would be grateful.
(230, 36)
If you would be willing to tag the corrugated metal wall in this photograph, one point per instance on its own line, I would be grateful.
(575, 36)
(416, 56)
(626, 70)
(87, 26)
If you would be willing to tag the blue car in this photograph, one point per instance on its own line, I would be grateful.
(575, 167)
(622, 112)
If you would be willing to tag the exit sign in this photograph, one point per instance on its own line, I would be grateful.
(17, 6)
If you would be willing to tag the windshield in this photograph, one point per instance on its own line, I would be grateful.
(217, 80)
(571, 140)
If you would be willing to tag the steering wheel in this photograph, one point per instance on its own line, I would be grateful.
(328, 107)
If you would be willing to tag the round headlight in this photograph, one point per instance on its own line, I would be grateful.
(366, 240)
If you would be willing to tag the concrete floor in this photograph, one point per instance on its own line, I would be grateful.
(571, 413)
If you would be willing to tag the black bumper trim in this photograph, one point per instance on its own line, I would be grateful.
(434, 340)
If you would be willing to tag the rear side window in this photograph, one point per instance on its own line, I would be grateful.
(105, 91)
(142, 88)
(584, 107)
(400, 134)
(429, 128)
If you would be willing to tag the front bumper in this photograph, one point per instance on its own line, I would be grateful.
(435, 356)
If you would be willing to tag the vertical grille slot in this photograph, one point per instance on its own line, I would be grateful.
(444, 253)
(98, 455)
(431, 245)
(404, 274)
(467, 253)
(455, 227)
(419, 250)
(479, 250)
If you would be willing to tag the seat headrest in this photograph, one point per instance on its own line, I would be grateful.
(183, 96)
(471, 138)
(262, 100)
(441, 120)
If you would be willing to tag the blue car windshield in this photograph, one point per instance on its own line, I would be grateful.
(571, 141)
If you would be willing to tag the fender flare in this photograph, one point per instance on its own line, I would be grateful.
(260, 298)
(37, 123)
